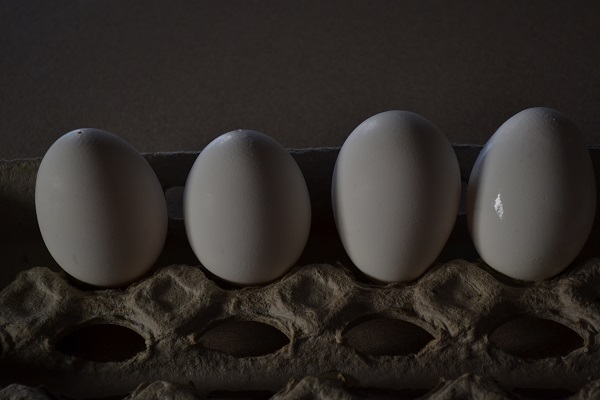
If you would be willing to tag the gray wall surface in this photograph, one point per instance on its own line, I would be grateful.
(173, 75)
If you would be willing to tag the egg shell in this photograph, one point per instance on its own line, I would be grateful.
(247, 209)
(100, 208)
(395, 195)
(531, 197)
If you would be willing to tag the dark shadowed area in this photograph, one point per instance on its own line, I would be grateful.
(172, 76)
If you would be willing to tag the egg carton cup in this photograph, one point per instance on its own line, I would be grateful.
(321, 331)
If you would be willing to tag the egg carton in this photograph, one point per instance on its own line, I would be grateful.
(330, 386)
(321, 331)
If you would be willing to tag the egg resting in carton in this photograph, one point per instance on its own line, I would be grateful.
(323, 328)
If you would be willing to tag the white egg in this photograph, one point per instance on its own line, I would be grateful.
(246, 208)
(395, 193)
(100, 208)
(532, 197)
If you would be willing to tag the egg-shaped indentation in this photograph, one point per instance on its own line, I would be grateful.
(457, 291)
(31, 294)
(101, 343)
(312, 288)
(583, 286)
(244, 338)
(535, 338)
(179, 294)
(458, 288)
(386, 337)
(167, 294)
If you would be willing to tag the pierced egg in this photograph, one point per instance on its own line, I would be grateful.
(100, 208)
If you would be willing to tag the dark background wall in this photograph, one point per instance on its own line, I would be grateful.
(173, 75)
